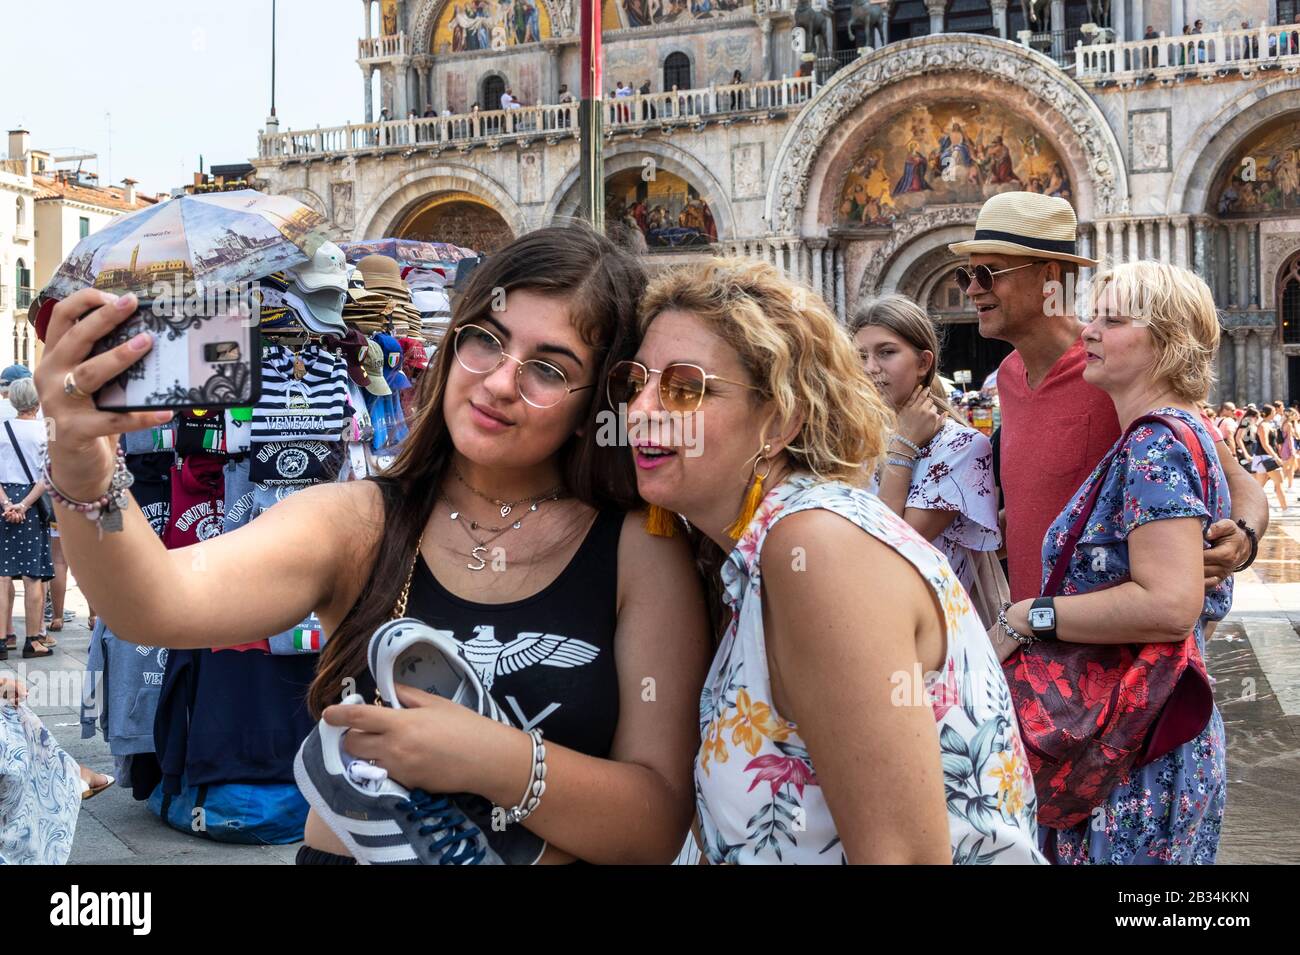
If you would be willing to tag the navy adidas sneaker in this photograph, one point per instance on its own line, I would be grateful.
(380, 821)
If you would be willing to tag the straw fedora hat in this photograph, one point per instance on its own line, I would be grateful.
(1025, 223)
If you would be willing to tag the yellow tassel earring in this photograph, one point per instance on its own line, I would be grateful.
(660, 521)
(753, 497)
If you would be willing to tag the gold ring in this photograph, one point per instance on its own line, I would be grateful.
(70, 387)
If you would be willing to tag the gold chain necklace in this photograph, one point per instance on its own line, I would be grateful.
(508, 506)
(479, 552)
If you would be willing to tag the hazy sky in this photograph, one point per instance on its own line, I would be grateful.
(180, 78)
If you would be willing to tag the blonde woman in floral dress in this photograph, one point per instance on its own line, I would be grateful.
(855, 710)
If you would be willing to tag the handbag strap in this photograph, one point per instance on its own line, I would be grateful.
(22, 459)
(1182, 433)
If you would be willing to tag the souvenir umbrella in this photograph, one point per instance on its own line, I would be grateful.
(215, 240)
(409, 252)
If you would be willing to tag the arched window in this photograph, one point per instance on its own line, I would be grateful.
(493, 87)
(677, 71)
(22, 212)
(1288, 303)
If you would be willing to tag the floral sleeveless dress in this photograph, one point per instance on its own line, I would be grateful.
(756, 787)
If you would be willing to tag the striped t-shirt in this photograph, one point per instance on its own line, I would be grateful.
(313, 407)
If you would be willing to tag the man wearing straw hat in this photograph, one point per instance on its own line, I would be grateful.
(1055, 426)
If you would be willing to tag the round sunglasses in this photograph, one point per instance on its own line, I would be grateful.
(682, 386)
(980, 278)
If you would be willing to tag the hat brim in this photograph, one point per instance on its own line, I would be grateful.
(378, 387)
(996, 246)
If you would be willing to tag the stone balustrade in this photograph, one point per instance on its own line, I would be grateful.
(1262, 48)
(371, 48)
(689, 107)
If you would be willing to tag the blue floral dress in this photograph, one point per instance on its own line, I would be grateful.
(1169, 811)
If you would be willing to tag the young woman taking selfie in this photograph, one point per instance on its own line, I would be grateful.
(508, 418)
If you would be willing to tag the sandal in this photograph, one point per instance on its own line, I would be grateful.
(89, 792)
(11, 641)
(49, 641)
(34, 648)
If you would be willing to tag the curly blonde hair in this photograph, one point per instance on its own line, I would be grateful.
(1178, 307)
(798, 354)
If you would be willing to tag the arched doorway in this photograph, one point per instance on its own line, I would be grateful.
(1288, 317)
(677, 71)
(493, 87)
(457, 217)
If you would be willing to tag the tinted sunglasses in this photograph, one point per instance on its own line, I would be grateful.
(682, 386)
(980, 278)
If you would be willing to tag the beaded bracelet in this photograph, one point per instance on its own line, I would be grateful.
(911, 444)
(106, 510)
(901, 462)
(532, 797)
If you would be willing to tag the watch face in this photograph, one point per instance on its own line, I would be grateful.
(1044, 618)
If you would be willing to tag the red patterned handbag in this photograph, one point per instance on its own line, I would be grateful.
(1089, 713)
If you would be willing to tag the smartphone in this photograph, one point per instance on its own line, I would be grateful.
(204, 355)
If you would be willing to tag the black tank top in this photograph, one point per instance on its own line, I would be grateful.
(547, 660)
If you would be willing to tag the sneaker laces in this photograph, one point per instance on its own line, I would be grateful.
(459, 846)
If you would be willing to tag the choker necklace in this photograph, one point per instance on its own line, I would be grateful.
(508, 506)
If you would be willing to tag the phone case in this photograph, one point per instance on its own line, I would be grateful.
(197, 361)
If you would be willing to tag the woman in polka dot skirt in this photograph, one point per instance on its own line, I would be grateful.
(24, 535)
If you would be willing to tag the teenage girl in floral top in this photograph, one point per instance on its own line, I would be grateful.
(1147, 525)
(855, 710)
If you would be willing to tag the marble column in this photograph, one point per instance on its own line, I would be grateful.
(1134, 252)
(1239, 336)
(1281, 382)
(422, 93)
(1118, 253)
(1119, 20)
(1102, 232)
(1243, 265)
(1000, 16)
(1265, 336)
(1254, 351)
(816, 247)
(369, 75)
(1139, 27)
(1176, 18)
(1085, 249)
(365, 4)
(800, 253)
(936, 9)
(840, 291)
(1199, 250)
(1180, 242)
(778, 256)
(1234, 266)
(766, 52)
(1166, 243)
(1252, 263)
(552, 93)
(1058, 28)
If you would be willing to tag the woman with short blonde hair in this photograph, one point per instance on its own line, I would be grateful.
(852, 642)
(1135, 574)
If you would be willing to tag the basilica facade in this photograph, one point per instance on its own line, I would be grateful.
(847, 145)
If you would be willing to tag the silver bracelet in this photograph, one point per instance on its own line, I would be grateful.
(532, 796)
(901, 462)
(1010, 631)
(898, 437)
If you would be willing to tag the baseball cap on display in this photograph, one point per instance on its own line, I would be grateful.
(321, 312)
(373, 363)
(413, 353)
(393, 373)
(328, 269)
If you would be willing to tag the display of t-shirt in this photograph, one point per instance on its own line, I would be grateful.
(196, 507)
(304, 396)
(200, 430)
(295, 462)
(152, 488)
(125, 697)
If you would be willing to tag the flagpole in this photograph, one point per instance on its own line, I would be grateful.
(591, 174)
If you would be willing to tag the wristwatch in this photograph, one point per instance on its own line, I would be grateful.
(1042, 618)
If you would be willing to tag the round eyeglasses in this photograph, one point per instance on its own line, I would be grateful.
(681, 385)
(980, 278)
(540, 383)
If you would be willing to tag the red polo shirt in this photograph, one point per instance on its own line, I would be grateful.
(1052, 437)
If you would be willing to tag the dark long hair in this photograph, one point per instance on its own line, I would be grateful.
(602, 285)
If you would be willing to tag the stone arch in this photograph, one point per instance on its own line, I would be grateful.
(1277, 250)
(1219, 136)
(815, 152)
(630, 155)
(392, 204)
(909, 244)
